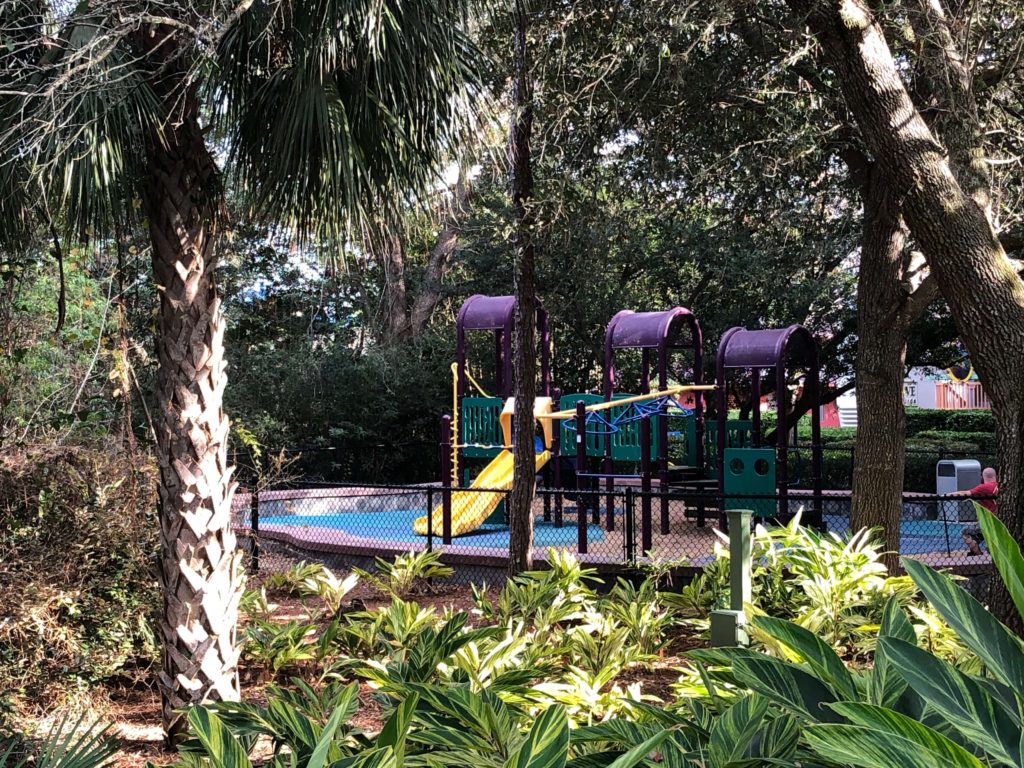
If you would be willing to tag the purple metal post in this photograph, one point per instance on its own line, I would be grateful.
(817, 516)
(782, 436)
(755, 397)
(581, 464)
(556, 450)
(646, 542)
(721, 415)
(446, 479)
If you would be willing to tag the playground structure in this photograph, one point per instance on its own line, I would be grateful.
(617, 439)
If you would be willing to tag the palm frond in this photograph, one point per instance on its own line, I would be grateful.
(332, 107)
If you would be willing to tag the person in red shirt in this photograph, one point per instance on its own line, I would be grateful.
(984, 494)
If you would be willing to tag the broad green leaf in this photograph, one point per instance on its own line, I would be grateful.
(778, 739)
(382, 757)
(895, 622)
(996, 646)
(788, 685)
(816, 652)
(323, 744)
(220, 745)
(395, 730)
(884, 686)
(639, 753)
(960, 700)
(882, 738)
(1006, 554)
(614, 731)
(547, 742)
(734, 730)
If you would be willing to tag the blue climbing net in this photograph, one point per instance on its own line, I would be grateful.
(598, 424)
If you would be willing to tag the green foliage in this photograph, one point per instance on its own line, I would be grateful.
(912, 707)
(70, 744)
(69, 621)
(278, 647)
(924, 420)
(408, 573)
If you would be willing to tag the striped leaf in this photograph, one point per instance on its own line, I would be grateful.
(221, 747)
(639, 753)
(926, 742)
(995, 645)
(816, 652)
(379, 757)
(881, 737)
(395, 730)
(885, 687)
(1006, 554)
(323, 744)
(788, 685)
(961, 701)
(546, 744)
(734, 730)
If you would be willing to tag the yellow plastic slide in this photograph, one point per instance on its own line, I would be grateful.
(471, 508)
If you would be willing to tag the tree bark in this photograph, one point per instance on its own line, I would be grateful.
(979, 282)
(429, 294)
(524, 348)
(881, 357)
(199, 567)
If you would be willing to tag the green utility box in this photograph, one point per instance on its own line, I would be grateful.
(751, 472)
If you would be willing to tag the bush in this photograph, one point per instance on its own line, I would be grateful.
(928, 419)
(77, 538)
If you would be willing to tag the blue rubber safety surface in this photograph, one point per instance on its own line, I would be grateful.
(396, 526)
(917, 537)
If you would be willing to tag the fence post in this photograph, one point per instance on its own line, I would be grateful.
(254, 526)
(727, 627)
(629, 526)
(646, 538)
(581, 463)
(446, 479)
(556, 459)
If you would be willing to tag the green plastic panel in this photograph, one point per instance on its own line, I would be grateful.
(478, 423)
(738, 434)
(750, 471)
(626, 442)
(595, 443)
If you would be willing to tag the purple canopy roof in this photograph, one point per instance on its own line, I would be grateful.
(741, 348)
(650, 330)
(487, 313)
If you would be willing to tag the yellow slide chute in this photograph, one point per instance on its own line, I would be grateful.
(470, 508)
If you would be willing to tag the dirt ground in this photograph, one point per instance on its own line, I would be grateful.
(135, 710)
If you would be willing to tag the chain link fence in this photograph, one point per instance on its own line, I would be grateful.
(614, 531)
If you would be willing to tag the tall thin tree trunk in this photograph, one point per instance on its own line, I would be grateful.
(881, 355)
(199, 567)
(524, 348)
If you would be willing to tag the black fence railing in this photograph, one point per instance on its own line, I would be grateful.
(613, 531)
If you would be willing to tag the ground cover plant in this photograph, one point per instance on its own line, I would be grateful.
(849, 666)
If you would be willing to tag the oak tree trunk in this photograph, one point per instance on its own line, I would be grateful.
(524, 349)
(199, 566)
(980, 284)
(881, 355)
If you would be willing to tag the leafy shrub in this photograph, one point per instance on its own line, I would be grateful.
(930, 419)
(78, 535)
(408, 573)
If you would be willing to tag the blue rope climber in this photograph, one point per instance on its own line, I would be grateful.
(598, 425)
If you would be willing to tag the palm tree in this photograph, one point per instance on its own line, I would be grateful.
(112, 112)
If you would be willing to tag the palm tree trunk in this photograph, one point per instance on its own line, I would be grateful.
(524, 347)
(199, 567)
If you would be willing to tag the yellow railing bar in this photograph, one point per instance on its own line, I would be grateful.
(571, 413)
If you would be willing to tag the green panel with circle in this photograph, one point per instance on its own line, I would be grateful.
(751, 472)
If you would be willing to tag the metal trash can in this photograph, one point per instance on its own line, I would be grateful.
(957, 475)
